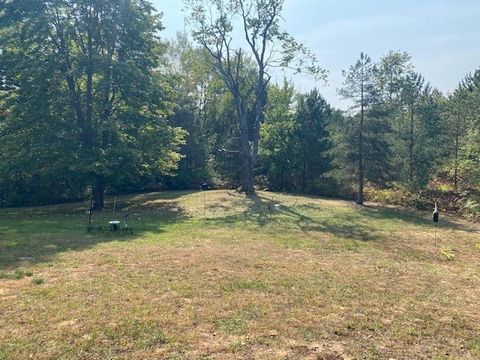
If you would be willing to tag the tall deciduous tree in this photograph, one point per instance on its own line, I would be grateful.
(86, 70)
(213, 23)
(191, 79)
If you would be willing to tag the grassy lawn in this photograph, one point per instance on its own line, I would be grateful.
(318, 279)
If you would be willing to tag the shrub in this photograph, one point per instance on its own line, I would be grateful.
(470, 205)
(37, 281)
(398, 196)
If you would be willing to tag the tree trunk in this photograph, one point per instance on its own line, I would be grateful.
(99, 193)
(304, 174)
(282, 179)
(457, 143)
(410, 148)
(361, 175)
(247, 173)
(247, 166)
(260, 104)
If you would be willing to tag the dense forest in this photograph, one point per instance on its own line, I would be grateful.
(94, 101)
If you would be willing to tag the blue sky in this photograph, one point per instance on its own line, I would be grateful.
(443, 36)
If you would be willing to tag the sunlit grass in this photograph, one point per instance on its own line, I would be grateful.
(219, 275)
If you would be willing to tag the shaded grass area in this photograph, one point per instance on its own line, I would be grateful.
(223, 276)
(36, 234)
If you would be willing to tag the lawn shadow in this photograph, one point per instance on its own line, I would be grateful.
(261, 211)
(416, 217)
(354, 223)
(37, 235)
(252, 208)
(343, 225)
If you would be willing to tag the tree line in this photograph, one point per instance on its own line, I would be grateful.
(93, 100)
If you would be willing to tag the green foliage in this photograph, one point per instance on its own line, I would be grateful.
(377, 150)
(92, 101)
(401, 196)
(277, 157)
(363, 149)
(461, 117)
(312, 141)
(470, 204)
(90, 107)
(359, 88)
(246, 71)
(295, 146)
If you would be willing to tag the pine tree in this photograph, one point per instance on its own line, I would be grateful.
(359, 87)
(313, 115)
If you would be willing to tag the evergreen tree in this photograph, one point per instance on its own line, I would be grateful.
(359, 87)
(462, 116)
(414, 91)
(313, 144)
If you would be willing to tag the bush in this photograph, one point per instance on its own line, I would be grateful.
(466, 203)
(37, 281)
(398, 196)
(470, 204)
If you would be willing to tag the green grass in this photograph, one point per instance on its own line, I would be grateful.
(231, 280)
